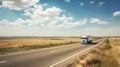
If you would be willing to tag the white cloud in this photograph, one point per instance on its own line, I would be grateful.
(67, 1)
(51, 22)
(47, 15)
(45, 4)
(18, 28)
(49, 18)
(97, 31)
(0, 6)
(101, 3)
(117, 13)
(37, 31)
(81, 3)
(18, 22)
(18, 4)
(4, 22)
(52, 16)
(73, 24)
(97, 21)
(92, 2)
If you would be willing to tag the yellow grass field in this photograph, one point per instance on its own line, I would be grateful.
(105, 55)
(115, 42)
(17, 42)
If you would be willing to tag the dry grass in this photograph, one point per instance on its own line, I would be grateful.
(115, 42)
(18, 42)
(105, 55)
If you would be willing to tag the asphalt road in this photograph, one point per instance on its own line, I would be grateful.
(48, 57)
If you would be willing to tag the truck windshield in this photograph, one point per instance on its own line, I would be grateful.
(83, 38)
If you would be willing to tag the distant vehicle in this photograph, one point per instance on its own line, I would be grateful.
(86, 39)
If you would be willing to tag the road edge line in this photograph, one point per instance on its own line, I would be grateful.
(76, 54)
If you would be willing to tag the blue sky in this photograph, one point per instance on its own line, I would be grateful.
(59, 17)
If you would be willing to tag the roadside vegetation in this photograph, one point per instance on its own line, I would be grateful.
(96, 38)
(8, 45)
(105, 55)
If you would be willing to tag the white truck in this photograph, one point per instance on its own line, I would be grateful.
(86, 39)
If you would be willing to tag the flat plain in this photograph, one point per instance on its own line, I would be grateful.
(18, 42)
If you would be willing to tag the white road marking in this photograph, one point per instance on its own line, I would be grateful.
(75, 54)
(69, 57)
(2, 62)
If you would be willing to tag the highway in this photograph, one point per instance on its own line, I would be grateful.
(47, 57)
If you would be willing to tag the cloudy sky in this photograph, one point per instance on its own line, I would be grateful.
(59, 17)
